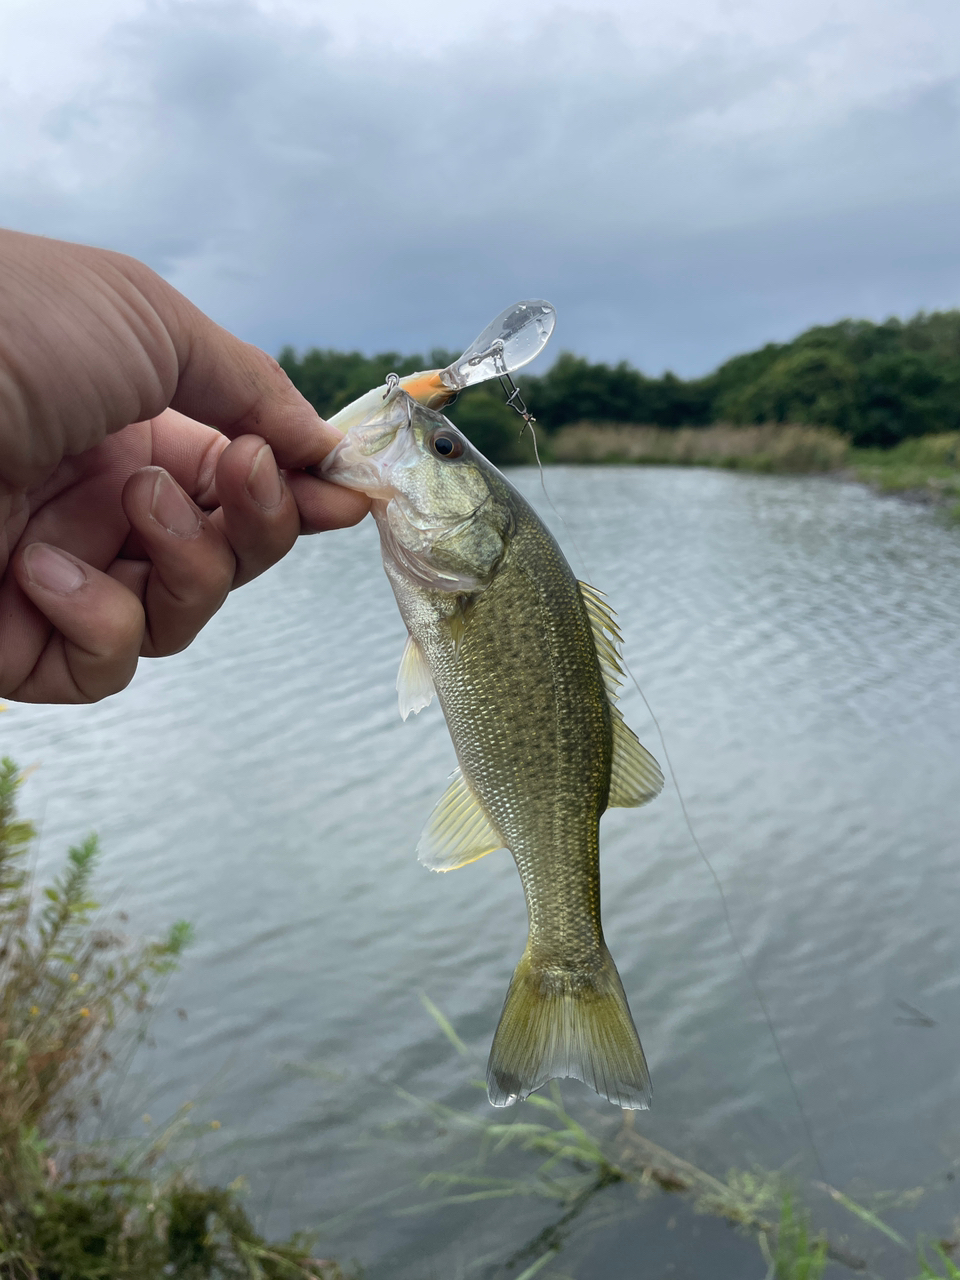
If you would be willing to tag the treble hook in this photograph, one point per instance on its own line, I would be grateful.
(515, 399)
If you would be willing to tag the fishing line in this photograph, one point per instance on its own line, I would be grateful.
(515, 401)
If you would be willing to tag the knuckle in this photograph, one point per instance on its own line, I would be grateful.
(214, 579)
(198, 596)
(120, 636)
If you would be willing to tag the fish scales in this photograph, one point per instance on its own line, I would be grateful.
(521, 658)
(525, 702)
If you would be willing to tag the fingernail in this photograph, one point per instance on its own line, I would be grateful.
(172, 509)
(50, 568)
(263, 483)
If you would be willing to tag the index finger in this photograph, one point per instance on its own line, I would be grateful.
(232, 385)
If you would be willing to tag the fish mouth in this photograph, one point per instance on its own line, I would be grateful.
(365, 456)
(347, 466)
(363, 459)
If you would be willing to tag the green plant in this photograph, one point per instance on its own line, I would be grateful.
(573, 1168)
(877, 383)
(929, 465)
(943, 1267)
(76, 1211)
(796, 1256)
(64, 980)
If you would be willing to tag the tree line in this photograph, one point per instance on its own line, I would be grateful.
(876, 384)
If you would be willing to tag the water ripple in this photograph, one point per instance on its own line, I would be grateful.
(800, 642)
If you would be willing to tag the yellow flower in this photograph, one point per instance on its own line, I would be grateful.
(34, 1010)
(84, 1012)
(74, 977)
(214, 1124)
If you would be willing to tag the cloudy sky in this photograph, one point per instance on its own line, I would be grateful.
(683, 179)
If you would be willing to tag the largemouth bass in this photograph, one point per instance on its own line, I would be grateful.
(524, 661)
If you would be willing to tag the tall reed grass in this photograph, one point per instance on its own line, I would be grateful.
(768, 448)
(926, 468)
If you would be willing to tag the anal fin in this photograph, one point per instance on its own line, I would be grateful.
(458, 831)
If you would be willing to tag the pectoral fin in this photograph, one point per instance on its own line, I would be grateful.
(635, 776)
(414, 682)
(458, 830)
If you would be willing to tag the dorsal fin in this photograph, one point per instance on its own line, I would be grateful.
(606, 636)
(458, 831)
(635, 776)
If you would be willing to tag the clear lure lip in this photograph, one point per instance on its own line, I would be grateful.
(508, 342)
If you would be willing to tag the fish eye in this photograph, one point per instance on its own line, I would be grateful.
(445, 445)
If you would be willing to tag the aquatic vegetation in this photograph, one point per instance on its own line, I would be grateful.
(927, 468)
(70, 988)
(942, 1268)
(576, 1169)
(795, 1256)
(573, 1168)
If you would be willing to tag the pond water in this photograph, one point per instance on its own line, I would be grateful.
(799, 641)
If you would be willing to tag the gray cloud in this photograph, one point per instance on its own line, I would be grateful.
(676, 209)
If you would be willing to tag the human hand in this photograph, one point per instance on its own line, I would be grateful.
(124, 523)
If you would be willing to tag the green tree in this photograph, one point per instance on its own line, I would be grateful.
(903, 394)
(876, 383)
(814, 384)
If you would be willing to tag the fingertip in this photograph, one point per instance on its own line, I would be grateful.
(152, 499)
(51, 570)
(247, 469)
(100, 622)
(325, 506)
(258, 513)
(264, 483)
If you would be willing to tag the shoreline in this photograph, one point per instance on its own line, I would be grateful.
(924, 470)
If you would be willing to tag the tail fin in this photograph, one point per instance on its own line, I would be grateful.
(567, 1024)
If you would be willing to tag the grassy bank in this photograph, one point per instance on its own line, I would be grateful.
(595, 1179)
(927, 467)
(73, 991)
